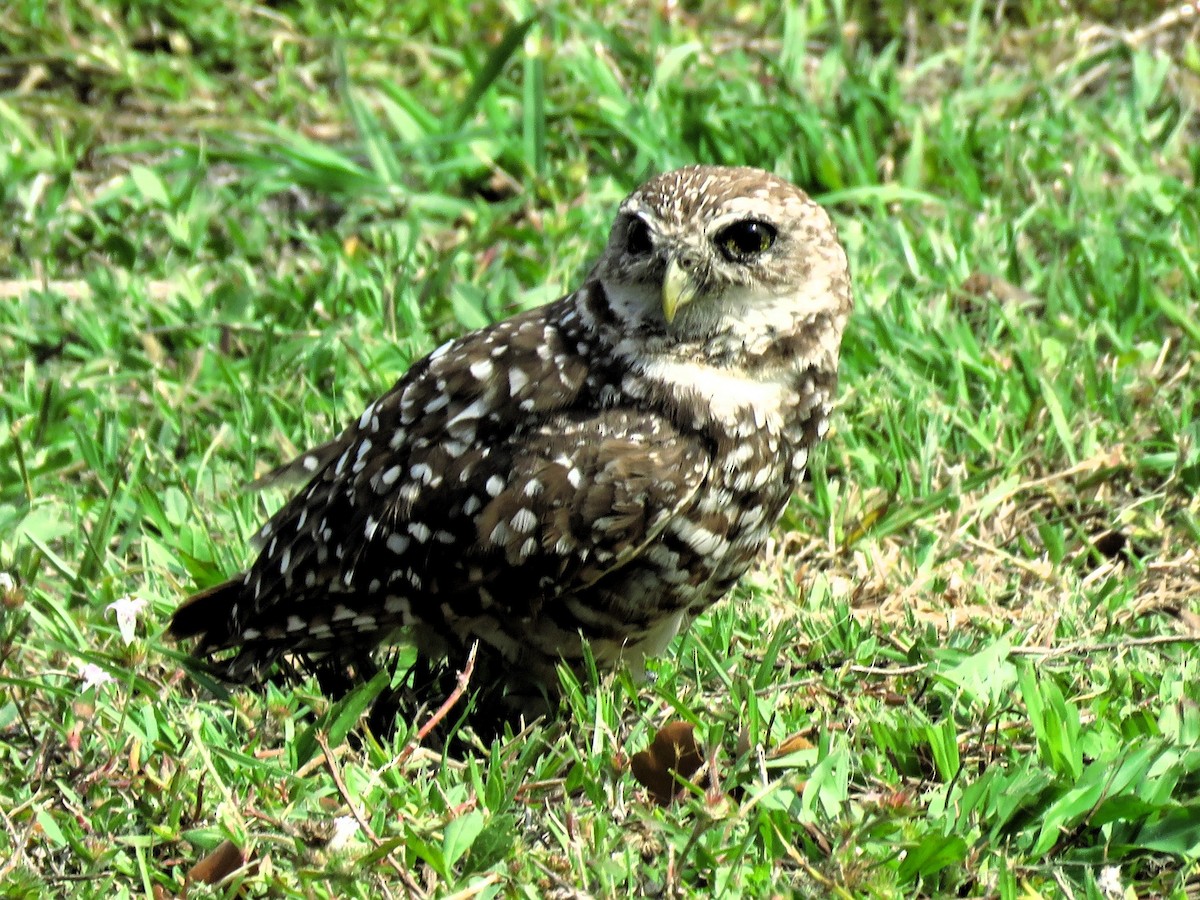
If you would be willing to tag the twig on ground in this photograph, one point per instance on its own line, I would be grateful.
(464, 679)
(835, 890)
(413, 888)
(889, 672)
(1083, 649)
(477, 888)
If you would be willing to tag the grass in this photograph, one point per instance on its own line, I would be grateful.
(968, 666)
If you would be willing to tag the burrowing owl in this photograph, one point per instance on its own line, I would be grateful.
(602, 468)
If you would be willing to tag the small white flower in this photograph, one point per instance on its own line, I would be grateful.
(6, 582)
(344, 831)
(93, 676)
(127, 609)
(1109, 883)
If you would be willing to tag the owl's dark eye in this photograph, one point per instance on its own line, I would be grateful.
(637, 237)
(742, 241)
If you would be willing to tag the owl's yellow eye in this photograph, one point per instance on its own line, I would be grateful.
(742, 241)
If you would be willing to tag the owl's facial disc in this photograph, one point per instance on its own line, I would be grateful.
(687, 267)
(709, 251)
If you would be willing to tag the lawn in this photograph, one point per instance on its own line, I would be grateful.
(967, 666)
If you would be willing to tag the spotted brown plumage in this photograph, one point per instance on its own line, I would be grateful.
(605, 466)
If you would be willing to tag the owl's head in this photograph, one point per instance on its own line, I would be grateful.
(711, 250)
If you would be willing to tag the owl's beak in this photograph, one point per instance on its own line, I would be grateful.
(679, 289)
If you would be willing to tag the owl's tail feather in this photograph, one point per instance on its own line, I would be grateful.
(212, 616)
(208, 613)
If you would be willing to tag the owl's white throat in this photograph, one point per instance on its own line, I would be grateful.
(735, 397)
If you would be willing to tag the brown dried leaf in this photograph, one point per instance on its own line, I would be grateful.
(674, 751)
(219, 864)
(743, 742)
(792, 744)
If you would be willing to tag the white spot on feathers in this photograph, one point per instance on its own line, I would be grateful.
(364, 447)
(494, 486)
(499, 534)
(366, 416)
(408, 494)
(524, 521)
(420, 531)
(739, 455)
(397, 543)
(473, 411)
(482, 369)
(700, 539)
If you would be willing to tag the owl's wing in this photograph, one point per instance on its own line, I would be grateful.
(549, 512)
(545, 512)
